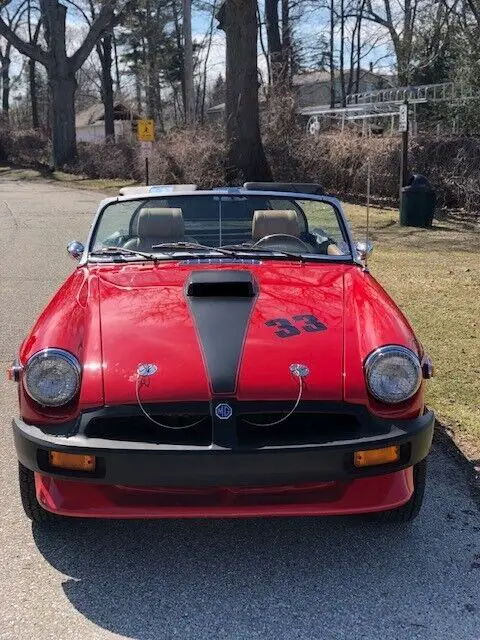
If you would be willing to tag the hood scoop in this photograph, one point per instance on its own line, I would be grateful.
(221, 284)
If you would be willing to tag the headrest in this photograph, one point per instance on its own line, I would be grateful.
(268, 222)
(161, 222)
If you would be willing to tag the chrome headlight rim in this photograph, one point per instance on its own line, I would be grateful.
(390, 349)
(48, 353)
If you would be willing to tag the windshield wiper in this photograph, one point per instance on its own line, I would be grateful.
(178, 247)
(186, 246)
(228, 250)
(284, 254)
(122, 251)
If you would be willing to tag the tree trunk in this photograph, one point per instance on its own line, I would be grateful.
(246, 156)
(351, 72)
(32, 81)
(273, 40)
(117, 68)
(205, 65)
(64, 141)
(104, 50)
(159, 107)
(286, 41)
(137, 76)
(150, 88)
(179, 43)
(342, 53)
(188, 63)
(6, 82)
(62, 84)
(331, 54)
(359, 47)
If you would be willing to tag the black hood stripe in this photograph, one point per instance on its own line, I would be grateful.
(221, 323)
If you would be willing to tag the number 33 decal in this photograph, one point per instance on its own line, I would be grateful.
(304, 322)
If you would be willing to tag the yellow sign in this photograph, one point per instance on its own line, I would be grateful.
(146, 130)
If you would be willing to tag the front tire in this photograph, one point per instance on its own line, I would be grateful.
(410, 510)
(31, 506)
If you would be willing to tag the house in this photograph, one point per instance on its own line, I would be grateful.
(90, 123)
(312, 88)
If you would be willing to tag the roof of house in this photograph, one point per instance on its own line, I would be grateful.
(316, 77)
(96, 113)
(319, 77)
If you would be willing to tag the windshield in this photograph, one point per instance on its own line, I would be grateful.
(238, 223)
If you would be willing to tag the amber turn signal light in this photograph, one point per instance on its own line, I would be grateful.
(72, 461)
(371, 457)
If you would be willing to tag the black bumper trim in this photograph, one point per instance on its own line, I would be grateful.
(138, 463)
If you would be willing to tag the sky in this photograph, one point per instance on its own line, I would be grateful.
(308, 31)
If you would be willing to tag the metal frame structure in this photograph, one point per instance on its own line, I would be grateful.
(385, 103)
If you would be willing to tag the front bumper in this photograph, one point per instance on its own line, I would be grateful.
(144, 464)
(362, 495)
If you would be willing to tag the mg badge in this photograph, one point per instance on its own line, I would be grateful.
(223, 411)
(147, 369)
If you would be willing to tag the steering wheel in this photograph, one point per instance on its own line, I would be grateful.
(283, 242)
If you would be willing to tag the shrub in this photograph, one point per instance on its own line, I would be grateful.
(106, 160)
(189, 157)
(5, 142)
(337, 161)
(29, 149)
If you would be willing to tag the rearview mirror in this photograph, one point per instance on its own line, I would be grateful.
(75, 249)
(364, 249)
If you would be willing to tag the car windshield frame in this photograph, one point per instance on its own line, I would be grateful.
(108, 257)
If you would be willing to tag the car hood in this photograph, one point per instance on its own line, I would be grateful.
(206, 345)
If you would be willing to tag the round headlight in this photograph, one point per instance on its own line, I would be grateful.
(52, 377)
(393, 374)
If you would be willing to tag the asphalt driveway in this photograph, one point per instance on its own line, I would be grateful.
(274, 579)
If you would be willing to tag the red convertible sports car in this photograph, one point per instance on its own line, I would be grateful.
(221, 353)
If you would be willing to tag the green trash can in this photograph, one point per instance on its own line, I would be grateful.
(417, 205)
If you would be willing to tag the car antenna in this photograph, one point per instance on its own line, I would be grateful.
(367, 235)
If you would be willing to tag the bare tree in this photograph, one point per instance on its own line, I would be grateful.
(103, 48)
(188, 62)
(275, 51)
(331, 57)
(286, 39)
(209, 38)
(279, 41)
(61, 68)
(405, 20)
(341, 18)
(33, 36)
(400, 22)
(13, 19)
(357, 47)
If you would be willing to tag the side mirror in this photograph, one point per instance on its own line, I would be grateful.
(75, 249)
(364, 249)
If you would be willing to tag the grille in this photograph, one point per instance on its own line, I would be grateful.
(140, 429)
(300, 428)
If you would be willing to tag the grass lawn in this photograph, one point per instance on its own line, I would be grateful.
(434, 277)
(108, 185)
